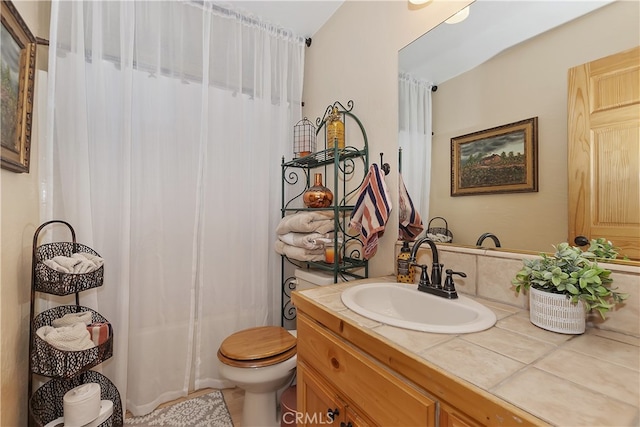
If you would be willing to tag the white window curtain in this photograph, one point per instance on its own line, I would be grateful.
(168, 123)
(415, 140)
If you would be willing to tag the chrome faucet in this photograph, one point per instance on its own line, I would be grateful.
(490, 236)
(433, 286)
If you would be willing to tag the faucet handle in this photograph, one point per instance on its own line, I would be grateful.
(449, 285)
(424, 277)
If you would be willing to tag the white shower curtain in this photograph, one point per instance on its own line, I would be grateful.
(168, 123)
(414, 138)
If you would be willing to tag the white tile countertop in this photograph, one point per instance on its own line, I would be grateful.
(566, 380)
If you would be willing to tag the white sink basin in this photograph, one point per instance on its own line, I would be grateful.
(402, 305)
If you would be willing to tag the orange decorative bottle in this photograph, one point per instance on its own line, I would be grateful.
(317, 196)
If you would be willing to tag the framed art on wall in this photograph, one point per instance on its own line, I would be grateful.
(17, 73)
(502, 159)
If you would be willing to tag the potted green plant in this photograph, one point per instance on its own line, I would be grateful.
(564, 286)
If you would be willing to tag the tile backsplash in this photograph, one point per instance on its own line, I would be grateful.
(489, 275)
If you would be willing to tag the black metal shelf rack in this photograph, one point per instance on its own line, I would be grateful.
(66, 369)
(347, 167)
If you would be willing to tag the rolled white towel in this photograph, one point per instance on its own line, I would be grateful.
(89, 259)
(68, 319)
(88, 262)
(304, 240)
(63, 264)
(70, 338)
(439, 237)
(77, 263)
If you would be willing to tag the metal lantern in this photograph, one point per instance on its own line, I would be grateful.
(304, 138)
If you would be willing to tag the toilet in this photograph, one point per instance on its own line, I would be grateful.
(262, 361)
(309, 279)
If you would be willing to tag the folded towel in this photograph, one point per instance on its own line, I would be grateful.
(68, 338)
(77, 263)
(305, 240)
(410, 223)
(306, 222)
(371, 212)
(300, 254)
(84, 317)
(99, 332)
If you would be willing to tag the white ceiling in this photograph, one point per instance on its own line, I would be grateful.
(492, 26)
(447, 50)
(303, 17)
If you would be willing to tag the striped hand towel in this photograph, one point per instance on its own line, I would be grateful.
(409, 218)
(371, 212)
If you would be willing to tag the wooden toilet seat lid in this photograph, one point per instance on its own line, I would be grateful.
(263, 345)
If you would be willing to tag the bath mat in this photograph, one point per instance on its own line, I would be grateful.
(203, 411)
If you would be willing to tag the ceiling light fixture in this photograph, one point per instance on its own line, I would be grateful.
(458, 17)
(419, 2)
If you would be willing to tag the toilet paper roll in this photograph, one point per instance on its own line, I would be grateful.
(106, 410)
(81, 405)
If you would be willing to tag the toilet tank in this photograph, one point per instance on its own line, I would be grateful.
(308, 279)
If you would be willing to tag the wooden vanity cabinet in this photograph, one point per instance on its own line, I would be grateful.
(334, 375)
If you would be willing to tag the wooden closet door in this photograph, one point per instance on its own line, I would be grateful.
(604, 150)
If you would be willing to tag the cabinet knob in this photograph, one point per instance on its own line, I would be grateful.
(332, 413)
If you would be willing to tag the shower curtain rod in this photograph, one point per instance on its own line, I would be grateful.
(220, 9)
(307, 40)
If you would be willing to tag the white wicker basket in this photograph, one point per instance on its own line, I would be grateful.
(556, 312)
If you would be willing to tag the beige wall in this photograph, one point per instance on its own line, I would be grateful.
(19, 219)
(354, 56)
(525, 81)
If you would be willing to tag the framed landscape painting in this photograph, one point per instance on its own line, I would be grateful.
(503, 159)
(17, 73)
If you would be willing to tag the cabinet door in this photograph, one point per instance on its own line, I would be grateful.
(450, 417)
(317, 404)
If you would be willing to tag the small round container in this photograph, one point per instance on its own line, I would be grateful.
(329, 252)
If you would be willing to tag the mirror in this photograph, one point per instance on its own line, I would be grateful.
(482, 84)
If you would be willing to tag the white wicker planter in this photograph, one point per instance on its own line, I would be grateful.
(556, 312)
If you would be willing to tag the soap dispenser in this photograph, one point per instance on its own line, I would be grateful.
(406, 272)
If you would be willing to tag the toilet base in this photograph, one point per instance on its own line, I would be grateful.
(260, 409)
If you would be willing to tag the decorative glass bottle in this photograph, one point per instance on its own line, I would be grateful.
(335, 130)
(317, 196)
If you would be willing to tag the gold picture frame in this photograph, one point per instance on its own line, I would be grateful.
(502, 159)
(17, 75)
